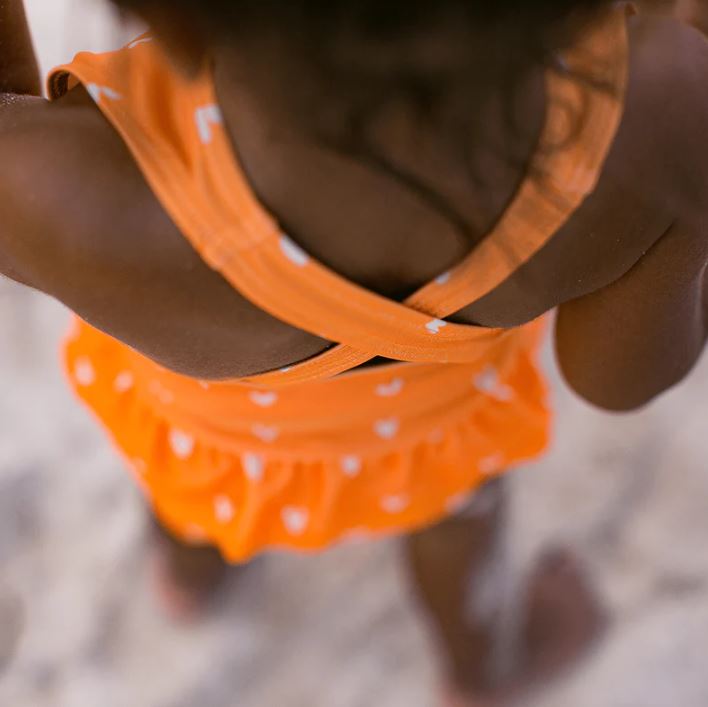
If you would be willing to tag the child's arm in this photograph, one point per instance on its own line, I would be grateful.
(628, 342)
(622, 346)
(19, 72)
(19, 76)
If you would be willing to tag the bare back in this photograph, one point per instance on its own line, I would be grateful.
(627, 270)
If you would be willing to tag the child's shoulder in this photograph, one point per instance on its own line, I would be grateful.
(666, 113)
(80, 223)
(640, 329)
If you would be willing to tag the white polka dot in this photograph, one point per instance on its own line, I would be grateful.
(387, 429)
(293, 252)
(263, 399)
(205, 117)
(224, 509)
(254, 466)
(295, 519)
(491, 464)
(182, 444)
(84, 371)
(166, 397)
(96, 92)
(287, 369)
(488, 382)
(435, 326)
(390, 390)
(395, 504)
(123, 382)
(444, 278)
(266, 433)
(205, 385)
(351, 465)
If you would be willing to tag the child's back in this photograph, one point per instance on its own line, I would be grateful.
(391, 159)
(391, 211)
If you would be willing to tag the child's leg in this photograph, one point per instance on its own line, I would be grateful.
(458, 571)
(185, 576)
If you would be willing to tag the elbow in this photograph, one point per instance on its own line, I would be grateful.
(629, 391)
(608, 397)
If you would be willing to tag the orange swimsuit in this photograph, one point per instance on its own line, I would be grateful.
(325, 450)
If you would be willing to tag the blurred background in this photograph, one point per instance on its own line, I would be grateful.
(79, 627)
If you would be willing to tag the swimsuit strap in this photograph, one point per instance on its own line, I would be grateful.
(176, 133)
(589, 83)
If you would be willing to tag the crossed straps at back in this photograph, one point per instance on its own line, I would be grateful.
(187, 157)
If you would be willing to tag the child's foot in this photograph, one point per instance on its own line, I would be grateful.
(563, 623)
(564, 618)
(185, 578)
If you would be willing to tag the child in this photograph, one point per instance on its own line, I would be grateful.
(311, 243)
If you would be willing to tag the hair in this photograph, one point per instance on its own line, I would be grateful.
(376, 16)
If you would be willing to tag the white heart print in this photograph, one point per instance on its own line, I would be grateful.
(84, 371)
(293, 252)
(435, 326)
(96, 92)
(224, 509)
(488, 382)
(264, 399)
(124, 382)
(351, 465)
(395, 504)
(295, 519)
(205, 117)
(165, 396)
(254, 466)
(266, 433)
(390, 390)
(182, 444)
(387, 429)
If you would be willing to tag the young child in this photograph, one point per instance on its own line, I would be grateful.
(311, 245)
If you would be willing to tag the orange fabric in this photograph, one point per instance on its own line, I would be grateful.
(298, 457)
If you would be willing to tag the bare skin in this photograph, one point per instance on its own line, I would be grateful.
(627, 273)
(602, 269)
(559, 618)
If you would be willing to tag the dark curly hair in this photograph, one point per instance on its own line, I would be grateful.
(537, 20)
(376, 14)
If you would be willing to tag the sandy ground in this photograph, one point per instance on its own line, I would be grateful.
(78, 626)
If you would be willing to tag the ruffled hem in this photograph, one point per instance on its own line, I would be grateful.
(249, 503)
